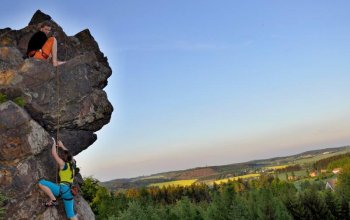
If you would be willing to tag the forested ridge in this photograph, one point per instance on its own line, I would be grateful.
(332, 162)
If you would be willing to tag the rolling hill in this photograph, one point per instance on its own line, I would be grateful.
(211, 174)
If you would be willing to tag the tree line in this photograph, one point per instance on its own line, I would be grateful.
(290, 168)
(332, 162)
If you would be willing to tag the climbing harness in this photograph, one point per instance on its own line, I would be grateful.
(64, 192)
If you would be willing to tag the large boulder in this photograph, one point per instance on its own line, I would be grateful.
(67, 101)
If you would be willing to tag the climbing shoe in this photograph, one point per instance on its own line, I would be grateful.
(51, 203)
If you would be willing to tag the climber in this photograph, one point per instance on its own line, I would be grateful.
(66, 174)
(41, 46)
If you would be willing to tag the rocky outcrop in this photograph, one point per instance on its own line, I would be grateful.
(68, 99)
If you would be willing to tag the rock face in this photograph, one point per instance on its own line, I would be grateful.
(68, 99)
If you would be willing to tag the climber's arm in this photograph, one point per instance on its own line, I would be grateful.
(59, 161)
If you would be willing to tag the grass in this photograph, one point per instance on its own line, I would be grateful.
(298, 183)
(174, 183)
(299, 173)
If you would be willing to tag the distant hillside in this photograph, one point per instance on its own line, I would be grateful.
(212, 173)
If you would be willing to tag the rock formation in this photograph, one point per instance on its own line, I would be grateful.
(68, 99)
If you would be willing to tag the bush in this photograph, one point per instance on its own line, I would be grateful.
(89, 189)
(2, 209)
(3, 98)
(19, 100)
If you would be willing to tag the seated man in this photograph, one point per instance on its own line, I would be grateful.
(42, 47)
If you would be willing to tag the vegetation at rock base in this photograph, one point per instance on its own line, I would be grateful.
(18, 100)
(264, 198)
(3, 98)
(2, 209)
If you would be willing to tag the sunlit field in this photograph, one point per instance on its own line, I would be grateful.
(175, 183)
(237, 177)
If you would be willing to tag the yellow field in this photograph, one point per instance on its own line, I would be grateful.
(237, 177)
(277, 167)
(175, 183)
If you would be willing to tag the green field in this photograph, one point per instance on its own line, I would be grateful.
(313, 159)
(153, 177)
(300, 173)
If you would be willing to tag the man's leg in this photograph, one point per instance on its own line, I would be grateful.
(54, 52)
(47, 48)
(50, 47)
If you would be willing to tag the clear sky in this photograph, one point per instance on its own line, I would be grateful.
(199, 83)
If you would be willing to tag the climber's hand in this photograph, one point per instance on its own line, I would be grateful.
(54, 141)
(60, 144)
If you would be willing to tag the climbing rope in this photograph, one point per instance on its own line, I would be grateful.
(58, 117)
(58, 105)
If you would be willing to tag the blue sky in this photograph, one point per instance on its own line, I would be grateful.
(199, 83)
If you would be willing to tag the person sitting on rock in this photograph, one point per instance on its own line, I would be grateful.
(42, 47)
(66, 174)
